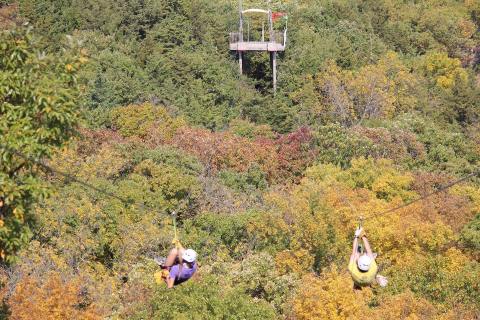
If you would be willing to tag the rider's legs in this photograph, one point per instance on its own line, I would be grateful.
(173, 257)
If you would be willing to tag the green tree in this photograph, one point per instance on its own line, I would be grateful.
(207, 299)
(470, 235)
(38, 114)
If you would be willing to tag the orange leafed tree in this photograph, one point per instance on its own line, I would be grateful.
(53, 299)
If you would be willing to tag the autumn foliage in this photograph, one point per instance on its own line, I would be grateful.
(261, 206)
(130, 111)
(52, 299)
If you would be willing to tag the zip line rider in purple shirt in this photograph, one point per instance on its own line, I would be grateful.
(181, 264)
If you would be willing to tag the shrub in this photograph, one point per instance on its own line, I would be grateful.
(449, 280)
(330, 297)
(167, 155)
(251, 180)
(206, 299)
(470, 235)
(142, 120)
(339, 146)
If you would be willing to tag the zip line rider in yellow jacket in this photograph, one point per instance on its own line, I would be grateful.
(362, 266)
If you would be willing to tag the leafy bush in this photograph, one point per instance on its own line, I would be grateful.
(330, 297)
(470, 234)
(168, 155)
(206, 299)
(443, 71)
(449, 280)
(224, 237)
(139, 120)
(259, 278)
(338, 146)
(253, 179)
(447, 149)
(247, 129)
(114, 79)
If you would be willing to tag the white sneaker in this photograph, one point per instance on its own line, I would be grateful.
(382, 281)
(160, 260)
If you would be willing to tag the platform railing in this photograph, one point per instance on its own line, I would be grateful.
(278, 37)
(234, 37)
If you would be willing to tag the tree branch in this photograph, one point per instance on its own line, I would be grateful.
(12, 172)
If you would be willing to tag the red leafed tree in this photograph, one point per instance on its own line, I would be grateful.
(295, 152)
(282, 159)
(223, 150)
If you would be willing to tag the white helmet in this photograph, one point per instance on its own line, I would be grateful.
(189, 255)
(364, 262)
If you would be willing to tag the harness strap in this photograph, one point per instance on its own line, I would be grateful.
(180, 268)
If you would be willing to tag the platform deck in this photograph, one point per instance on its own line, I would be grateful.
(257, 46)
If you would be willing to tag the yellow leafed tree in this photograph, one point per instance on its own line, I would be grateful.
(330, 297)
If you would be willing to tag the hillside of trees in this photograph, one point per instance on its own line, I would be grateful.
(116, 113)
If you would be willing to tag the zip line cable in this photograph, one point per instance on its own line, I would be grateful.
(72, 178)
(143, 206)
(441, 189)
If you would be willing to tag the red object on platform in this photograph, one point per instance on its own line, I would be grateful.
(276, 15)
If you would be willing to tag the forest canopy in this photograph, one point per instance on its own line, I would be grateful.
(114, 114)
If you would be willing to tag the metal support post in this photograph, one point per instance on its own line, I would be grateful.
(273, 57)
(240, 61)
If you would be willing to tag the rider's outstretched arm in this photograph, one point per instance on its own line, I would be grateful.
(170, 282)
(354, 250)
(367, 247)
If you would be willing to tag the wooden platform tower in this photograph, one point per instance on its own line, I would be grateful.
(275, 41)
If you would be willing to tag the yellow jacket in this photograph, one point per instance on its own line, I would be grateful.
(362, 278)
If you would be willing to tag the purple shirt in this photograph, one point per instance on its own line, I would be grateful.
(184, 274)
